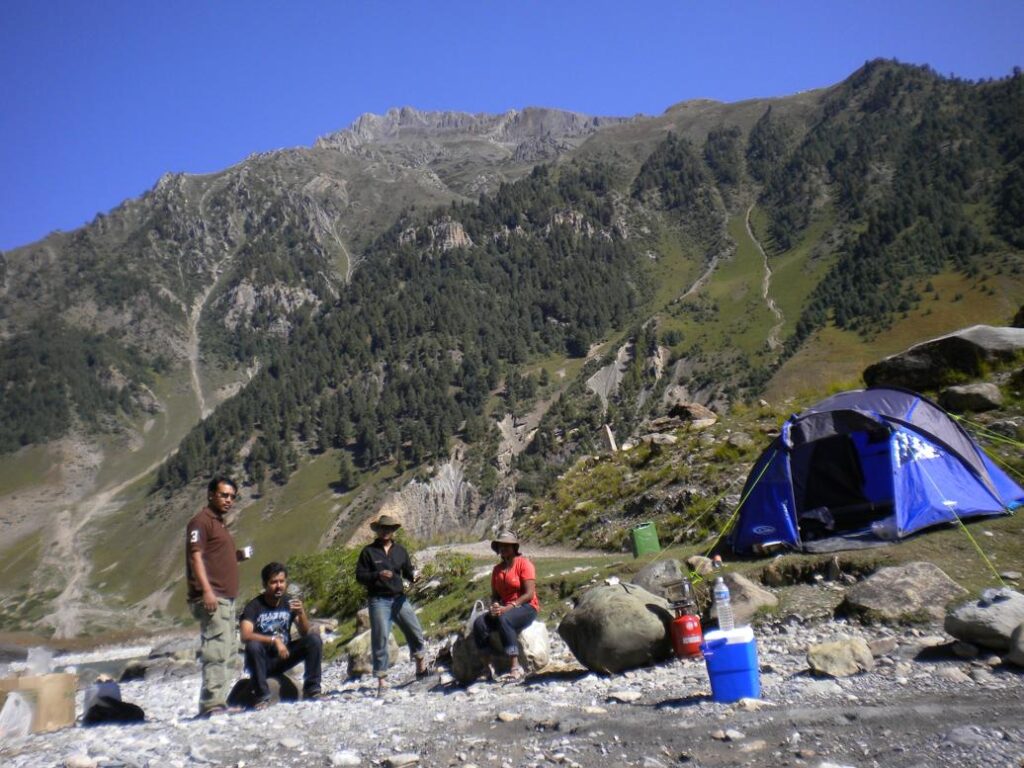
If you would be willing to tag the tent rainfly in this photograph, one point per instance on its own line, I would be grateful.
(865, 466)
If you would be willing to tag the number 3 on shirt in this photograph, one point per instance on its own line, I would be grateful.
(193, 537)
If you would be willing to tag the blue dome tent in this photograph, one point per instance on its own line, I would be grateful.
(865, 466)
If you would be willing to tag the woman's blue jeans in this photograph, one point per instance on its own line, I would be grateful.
(384, 611)
(508, 626)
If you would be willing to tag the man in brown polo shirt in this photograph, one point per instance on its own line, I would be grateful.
(211, 565)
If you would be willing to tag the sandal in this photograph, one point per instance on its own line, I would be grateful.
(218, 709)
(514, 677)
(260, 705)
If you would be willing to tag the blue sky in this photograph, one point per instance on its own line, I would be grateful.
(98, 99)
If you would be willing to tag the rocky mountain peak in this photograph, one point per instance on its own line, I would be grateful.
(407, 124)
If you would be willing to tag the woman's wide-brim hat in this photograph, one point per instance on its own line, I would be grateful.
(385, 521)
(505, 537)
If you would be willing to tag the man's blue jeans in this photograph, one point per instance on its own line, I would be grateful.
(383, 612)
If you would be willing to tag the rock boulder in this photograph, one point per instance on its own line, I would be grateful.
(935, 363)
(534, 653)
(971, 398)
(746, 598)
(1016, 654)
(902, 593)
(618, 627)
(282, 688)
(656, 575)
(989, 621)
(841, 658)
(358, 656)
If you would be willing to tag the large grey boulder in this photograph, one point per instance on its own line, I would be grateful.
(534, 653)
(656, 575)
(971, 398)
(181, 647)
(162, 668)
(746, 598)
(700, 565)
(679, 404)
(910, 592)
(947, 359)
(842, 657)
(618, 627)
(358, 654)
(1016, 650)
(989, 621)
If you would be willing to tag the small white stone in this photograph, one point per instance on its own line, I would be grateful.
(753, 746)
(626, 697)
(345, 758)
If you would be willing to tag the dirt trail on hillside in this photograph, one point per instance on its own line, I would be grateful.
(482, 549)
(194, 316)
(70, 556)
(774, 339)
(700, 281)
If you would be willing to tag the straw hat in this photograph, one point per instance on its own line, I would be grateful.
(505, 537)
(385, 521)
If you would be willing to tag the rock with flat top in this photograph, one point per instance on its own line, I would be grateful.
(910, 592)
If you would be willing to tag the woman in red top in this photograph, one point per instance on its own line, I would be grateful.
(514, 603)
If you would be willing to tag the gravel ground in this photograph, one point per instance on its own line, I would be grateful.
(921, 706)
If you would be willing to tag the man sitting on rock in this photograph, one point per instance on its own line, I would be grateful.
(266, 631)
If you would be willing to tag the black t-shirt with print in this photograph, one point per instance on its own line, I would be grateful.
(268, 620)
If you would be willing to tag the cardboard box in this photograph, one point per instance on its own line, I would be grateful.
(52, 698)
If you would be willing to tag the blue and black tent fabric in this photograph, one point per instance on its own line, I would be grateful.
(864, 466)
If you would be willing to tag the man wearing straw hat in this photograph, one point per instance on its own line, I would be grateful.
(380, 568)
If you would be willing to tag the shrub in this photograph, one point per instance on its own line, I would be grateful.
(449, 568)
(329, 578)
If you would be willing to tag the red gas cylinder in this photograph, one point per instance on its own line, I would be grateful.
(686, 636)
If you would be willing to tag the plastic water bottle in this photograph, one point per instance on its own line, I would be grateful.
(722, 605)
